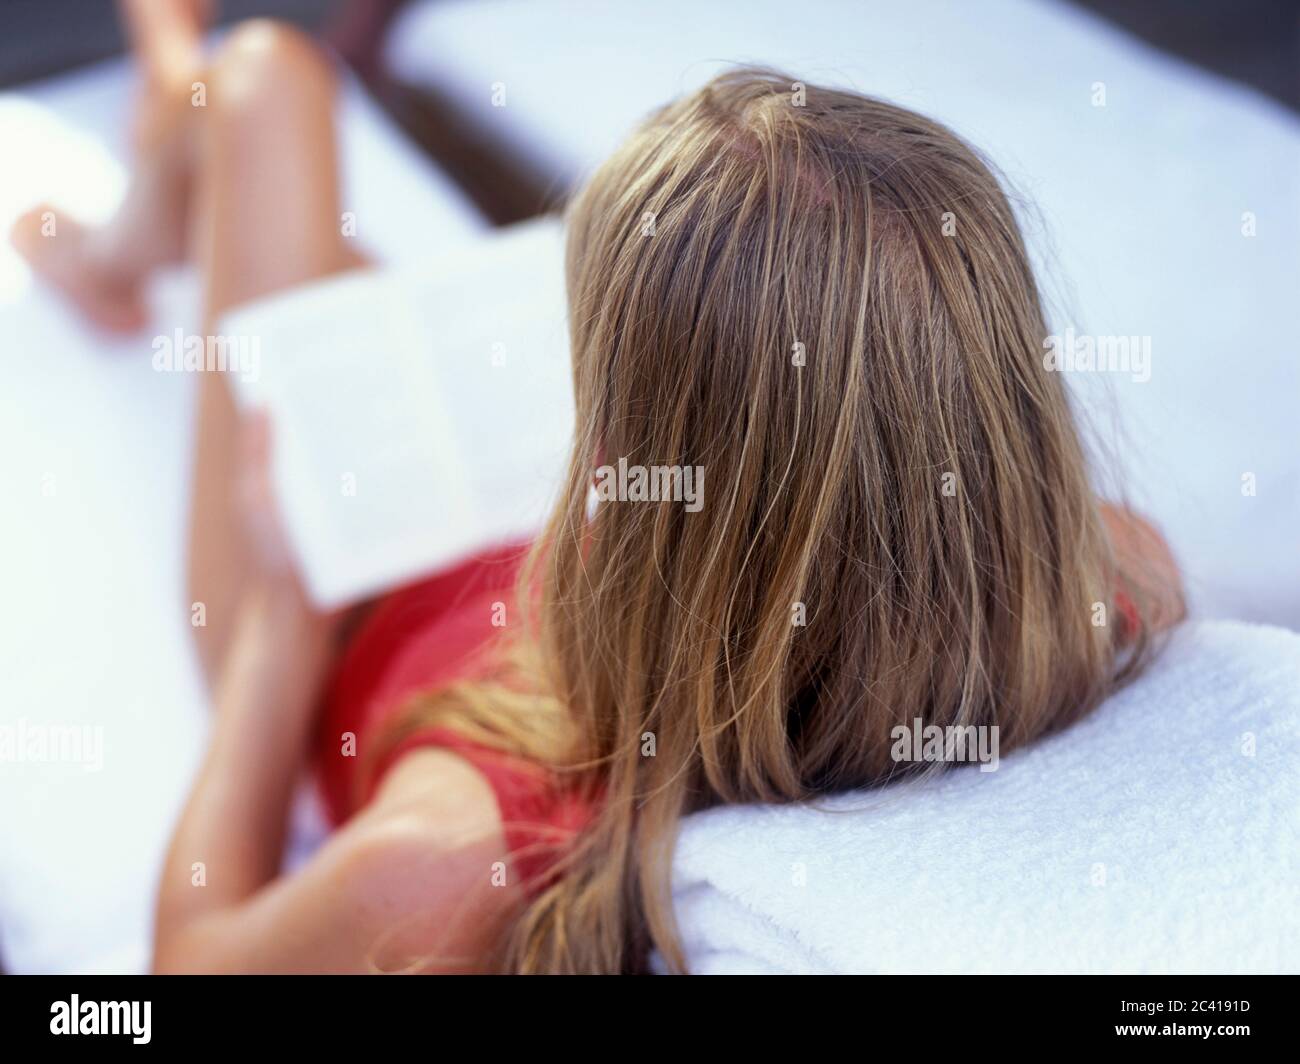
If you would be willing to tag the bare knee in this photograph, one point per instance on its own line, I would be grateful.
(270, 154)
(262, 61)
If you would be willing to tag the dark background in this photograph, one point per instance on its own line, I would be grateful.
(1252, 41)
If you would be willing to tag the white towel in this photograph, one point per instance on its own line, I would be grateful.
(1161, 834)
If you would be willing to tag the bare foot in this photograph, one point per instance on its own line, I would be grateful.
(59, 249)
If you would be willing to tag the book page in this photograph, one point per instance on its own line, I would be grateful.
(417, 415)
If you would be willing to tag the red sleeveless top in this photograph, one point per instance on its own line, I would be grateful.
(415, 640)
(428, 635)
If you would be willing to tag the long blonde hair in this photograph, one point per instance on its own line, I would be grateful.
(826, 303)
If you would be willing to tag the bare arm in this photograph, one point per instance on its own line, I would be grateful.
(234, 823)
(409, 876)
(407, 880)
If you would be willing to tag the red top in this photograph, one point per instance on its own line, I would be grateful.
(424, 637)
(416, 640)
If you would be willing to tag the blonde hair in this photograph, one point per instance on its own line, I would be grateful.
(766, 287)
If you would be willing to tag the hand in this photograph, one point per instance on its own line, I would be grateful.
(277, 600)
(257, 502)
(1145, 560)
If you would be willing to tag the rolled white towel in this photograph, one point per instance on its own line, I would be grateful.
(1161, 834)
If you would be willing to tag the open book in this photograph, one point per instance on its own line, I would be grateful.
(417, 415)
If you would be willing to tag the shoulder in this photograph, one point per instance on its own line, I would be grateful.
(434, 789)
(418, 871)
(411, 883)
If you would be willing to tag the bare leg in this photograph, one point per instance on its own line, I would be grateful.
(247, 183)
(165, 37)
(266, 218)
